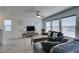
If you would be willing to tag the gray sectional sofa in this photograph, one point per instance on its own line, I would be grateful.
(71, 46)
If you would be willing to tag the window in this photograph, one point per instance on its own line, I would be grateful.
(55, 25)
(68, 26)
(7, 25)
(48, 26)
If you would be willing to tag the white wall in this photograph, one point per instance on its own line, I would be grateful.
(34, 22)
(18, 25)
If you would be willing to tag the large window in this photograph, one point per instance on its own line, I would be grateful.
(65, 25)
(55, 25)
(7, 25)
(68, 26)
(48, 26)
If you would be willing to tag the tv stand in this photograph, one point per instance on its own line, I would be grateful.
(29, 34)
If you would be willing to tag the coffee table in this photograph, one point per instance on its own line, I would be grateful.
(38, 38)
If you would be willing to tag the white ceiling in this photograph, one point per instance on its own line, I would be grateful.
(30, 11)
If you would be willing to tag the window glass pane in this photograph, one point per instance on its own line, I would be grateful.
(48, 26)
(68, 26)
(7, 28)
(7, 22)
(7, 25)
(55, 25)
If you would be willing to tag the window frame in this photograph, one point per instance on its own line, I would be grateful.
(9, 25)
(60, 25)
(75, 24)
(50, 25)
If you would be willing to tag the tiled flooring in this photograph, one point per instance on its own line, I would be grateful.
(16, 46)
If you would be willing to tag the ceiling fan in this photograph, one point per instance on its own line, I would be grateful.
(38, 14)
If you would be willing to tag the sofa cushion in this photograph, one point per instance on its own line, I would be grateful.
(48, 45)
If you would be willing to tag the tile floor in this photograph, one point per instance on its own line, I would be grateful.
(16, 46)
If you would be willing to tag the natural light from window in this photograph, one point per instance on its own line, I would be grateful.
(68, 26)
(55, 25)
(48, 26)
(7, 25)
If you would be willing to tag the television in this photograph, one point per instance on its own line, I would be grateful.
(30, 28)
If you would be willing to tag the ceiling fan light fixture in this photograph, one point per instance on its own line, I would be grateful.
(38, 16)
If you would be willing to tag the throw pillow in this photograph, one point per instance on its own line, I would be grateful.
(55, 35)
(49, 33)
